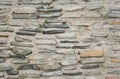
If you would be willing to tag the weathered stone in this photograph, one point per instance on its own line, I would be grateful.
(5, 66)
(12, 72)
(92, 15)
(112, 77)
(94, 7)
(46, 51)
(2, 74)
(104, 35)
(51, 73)
(113, 15)
(19, 61)
(16, 22)
(46, 47)
(115, 8)
(65, 51)
(69, 62)
(21, 51)
(6, 29)
(115, 60)
(24, 16)
(2, 60)
(50, 10)
(55, 25)
(90, 73)
(28, 67)
(30, 74)
(21, 39)
(5, 53)
(45, 42)
(7, 2)
(35, 2)
(50, 66)
(74, 15)
(71, 72)
(73, 8)
(53, 32)
(26, 33)
(90, 66)
(21, 44)
(89, 40)
(117, 72)
(52, 15)
(67, 36)
(92, 53)
(84, 46)
(20, 56)
(114, 29)
(65, 41)
(92, 60)
(3, 40)
(91, 77)
(4, 35)
(30, 29)
(25, 9)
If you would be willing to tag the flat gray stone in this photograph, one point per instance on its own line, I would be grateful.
(50, 10)
(21, 44)
(21, 51)
(30, 29)
(5, 66)
(55, 25)
(53, 32)
(21, 39)
(6, 29)
(51, 73)
(52, 15)
(26, 33)
(90, 66)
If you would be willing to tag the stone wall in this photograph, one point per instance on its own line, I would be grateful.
(59, 39)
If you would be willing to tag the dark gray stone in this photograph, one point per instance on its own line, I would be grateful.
(26, 33)
(5, 66)
(114, 29)
(20, 56)
(52, 15)
(2, 60)
(12, 72)
(21, 39)
(114, 72)
(113, 15)
(20, 44)
(50, 10)
(89, 40)
(65, 41)
(55, 25)
(90, 66)
(21, 51)
(51, 73)
(28, 67)
(81, 47)
(53, 32)
(30, 29)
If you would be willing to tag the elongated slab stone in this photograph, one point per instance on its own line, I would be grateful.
(84, 46)
(21, 39)
(53, 32)
(90, 66)
(25, 9)
(113, 15)
(71, 72)
(92, 53)
(50, 10)
(92, 60)
(3, 40)
(30, 29)
(21, 44)
(67, 41)
(51, 73)
(56, 25)
(28, 67)
(6, 29)
(5, 66)
(45, 42)
(67, 36)
(52, 15)
(21, 51)
(26, 33)
(4, 35)
(65, 51)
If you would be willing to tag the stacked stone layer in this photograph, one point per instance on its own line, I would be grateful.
(59, 39)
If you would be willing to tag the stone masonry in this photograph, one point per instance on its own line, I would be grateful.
(59, 39)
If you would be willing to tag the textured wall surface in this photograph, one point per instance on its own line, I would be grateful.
(59, 39)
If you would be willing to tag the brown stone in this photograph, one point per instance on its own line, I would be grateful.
(92, 53)
(112, 77)
(115, 60)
